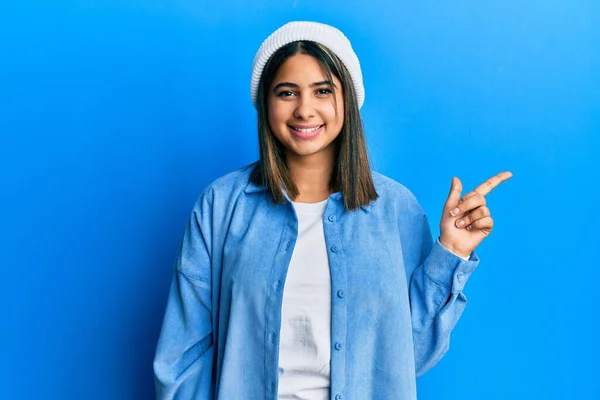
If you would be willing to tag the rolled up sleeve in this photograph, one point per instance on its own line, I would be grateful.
(436, 279)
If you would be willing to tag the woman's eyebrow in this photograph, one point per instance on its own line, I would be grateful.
(294, 85)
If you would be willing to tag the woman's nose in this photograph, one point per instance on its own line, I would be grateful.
(304, 109)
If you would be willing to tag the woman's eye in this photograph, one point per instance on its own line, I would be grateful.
(324, 91)
(285, 93)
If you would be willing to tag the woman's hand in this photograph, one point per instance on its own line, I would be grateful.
(467, 221)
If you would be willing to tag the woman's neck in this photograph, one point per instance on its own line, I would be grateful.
(312, 175)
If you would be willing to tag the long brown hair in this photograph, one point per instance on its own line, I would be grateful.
(352, 171)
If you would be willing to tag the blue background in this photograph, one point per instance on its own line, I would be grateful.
(114, 115)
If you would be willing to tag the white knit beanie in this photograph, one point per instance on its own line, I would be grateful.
(326, 35)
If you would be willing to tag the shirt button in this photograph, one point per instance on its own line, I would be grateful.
(341, 293)
(334, 249)
(331, 218)
(338, 345)
(338, 397)
(460, 276)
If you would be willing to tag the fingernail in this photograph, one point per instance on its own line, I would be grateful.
(454, 212)
(460, 223)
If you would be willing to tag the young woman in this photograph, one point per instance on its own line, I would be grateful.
(306, 275)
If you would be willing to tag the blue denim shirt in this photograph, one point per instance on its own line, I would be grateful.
(390, 282)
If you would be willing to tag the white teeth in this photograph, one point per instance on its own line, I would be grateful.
(306, 130)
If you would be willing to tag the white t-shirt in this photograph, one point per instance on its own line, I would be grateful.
(304, 348)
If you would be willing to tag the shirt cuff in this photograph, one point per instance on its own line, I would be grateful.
(448, 269)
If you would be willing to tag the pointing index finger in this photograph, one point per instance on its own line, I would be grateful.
(487, 186)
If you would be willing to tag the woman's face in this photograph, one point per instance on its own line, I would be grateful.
(301, 107)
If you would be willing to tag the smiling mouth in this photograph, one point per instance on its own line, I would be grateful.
(306, 130)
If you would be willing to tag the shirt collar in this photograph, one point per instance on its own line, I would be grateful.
(252, 187)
